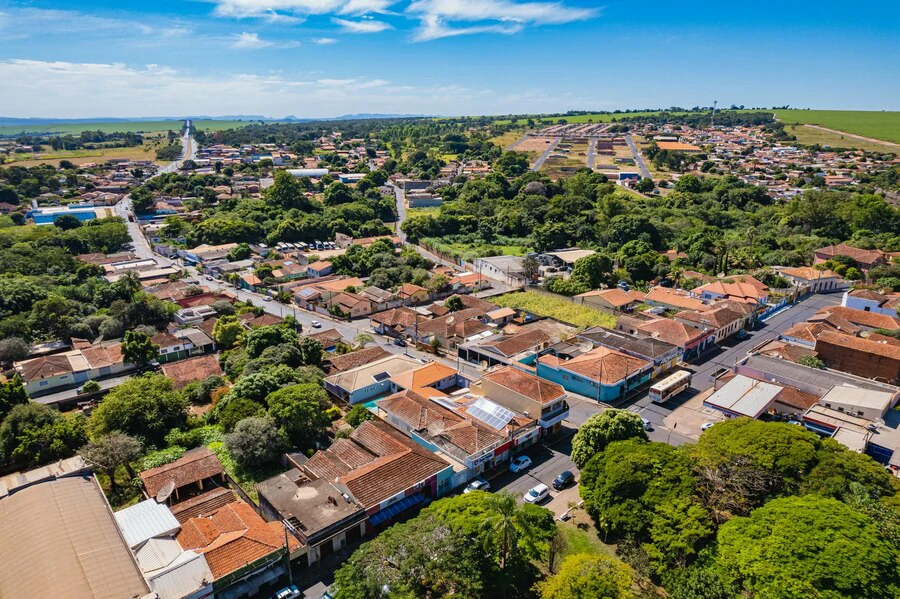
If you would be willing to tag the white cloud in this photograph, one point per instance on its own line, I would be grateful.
(323, 41)
(364, 26)
(86, 90)
(500, 10)
(433, 27)
(249, 41)
(361, 7)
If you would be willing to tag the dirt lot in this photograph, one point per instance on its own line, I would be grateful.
(534, 144)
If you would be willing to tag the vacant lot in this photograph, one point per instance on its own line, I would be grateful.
(75, 128)
(878, 125)
(811, 136)
(564, 310)
(507, 139)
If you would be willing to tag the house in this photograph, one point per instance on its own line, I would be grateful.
(252, 321)
(867, 321)
(527, 394)
(473, 433)
(397, 322)
(499, 316)
(194, 316)
(740, 288)
(171, 348)
(785, 350)
(743, 396)
(452, 329)
(410, 294)
(105, 359)
(692, 340)
(813, 280)
(661, 354)
(365, 382)
(243, 551)
(878, 360)
(672, 299)
(185, 477)
(60, 538)
(355, 359)
(612, 299)
(192, 369)
(381, 300)
(317, 269)
(207, 253)
(291, 272)
(872, 301)
(469, 282)
(48, 373)
(433, 375)
(865, 259)
(725, 318)
(601, 373)
(505, 349)
(506, 269)
(329, 338)
(351, 305)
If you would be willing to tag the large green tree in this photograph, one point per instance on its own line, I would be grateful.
(808, 547)
(145, 407)
(33, 434)
(600, 430)
(299, 411)
(587, 576)
(137, 349)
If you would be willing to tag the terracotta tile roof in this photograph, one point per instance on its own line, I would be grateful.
(786, 351)
(461, 323)
(424, 376)
(737, 290)
(203, 505)
(836, 322)
(263, 320)
(44, 367)
(605, 365)
(328, 335)
(340, 284)
(864, 257)
(208, 325)
(417, 411)
(195, 465)
(671, 331)
(318, 265)
(400, 318)
(808, 273)
(192, 369)
(407, 290)
(716, 318)
(470, 301)
(511, 345)
(529, 385)
(615, 297)
(859, 344)
(885, 300)
(232, 537)
(667, 297)
(355, 359)
(796, 398)
(872, 320)
(350, 301)
(165, 339)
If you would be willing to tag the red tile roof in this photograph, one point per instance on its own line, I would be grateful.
(195, 465)
(871, 320)
(511, 345)
(864, 257)
(603, 364)
(192, 369)
(529, 385)
(356, 358)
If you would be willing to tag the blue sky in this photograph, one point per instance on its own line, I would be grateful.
(320, 58)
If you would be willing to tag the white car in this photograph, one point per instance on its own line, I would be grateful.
(477, 485)
(706, 426)
(648, 426)
(537, 493)
(267, 298)
(315, 324)
(523, 462)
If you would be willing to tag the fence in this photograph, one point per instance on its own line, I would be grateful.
(772, 309)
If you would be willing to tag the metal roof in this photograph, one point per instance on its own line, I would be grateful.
(146, 520)
(744, 396)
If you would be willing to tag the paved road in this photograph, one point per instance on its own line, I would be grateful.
(592, 148)
(543, 157)
(513, 146)
(638, 159)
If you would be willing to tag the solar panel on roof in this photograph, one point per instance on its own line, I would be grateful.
(381, 376)
(491, 414)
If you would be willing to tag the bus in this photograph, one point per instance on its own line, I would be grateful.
(669, 386)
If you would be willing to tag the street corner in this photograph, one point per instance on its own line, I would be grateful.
(689, 418)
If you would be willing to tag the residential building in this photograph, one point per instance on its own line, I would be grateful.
(865, 259)
(601, 373)
(354, 359)
(661, 354)
(410, 294)
(526, 394)
(674, 299)
(504, 349)
(878, 360)
(350, 305)
(692, 340)
(184, 478)
(724, 318)
(452, 329)
(612, 299)
(187, 371)
(506, 269)
(739, 288)
(813, 280)
(872, 301)
(318, 269)
(866, 320)
(371, 380)
(433, 375)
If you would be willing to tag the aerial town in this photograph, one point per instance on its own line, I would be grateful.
(457, 342)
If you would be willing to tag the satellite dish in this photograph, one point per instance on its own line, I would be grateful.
(483, 365)
(436, 428)
(585, 347)
(165, 492)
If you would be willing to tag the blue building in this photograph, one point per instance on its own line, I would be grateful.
(601, 373)
(46, 216)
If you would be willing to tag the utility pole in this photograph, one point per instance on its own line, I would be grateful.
(712, 120)
(287, 555)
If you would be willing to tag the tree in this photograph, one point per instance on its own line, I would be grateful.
(586, 576)
(66, 222)
(624, 485)
(90, 387)
(299, 411)
(33, 434)
(12, 394)
(678, 532)
(311, 351)
(235, 409)
(645, 185)
(362, 340)
(137, 349)
(600, 430)
(808, 547)
(240, 252)
(594, 270)
(338, 193)
(254, 441)
(357, 415)
(288, 192)
(111, 451)
(837, 468)
(145, 407)
(811, 361)
(263, 337)
(531, 268)
(227, 331)
(14, 349)
(454, 303)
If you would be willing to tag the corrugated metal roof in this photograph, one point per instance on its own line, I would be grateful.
(144, 521)
(744, 396)
(157, 554)
(185, 575)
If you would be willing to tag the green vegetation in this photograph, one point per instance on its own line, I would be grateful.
(808, 136)
(877, 125)
(76, 128)
(566, 311)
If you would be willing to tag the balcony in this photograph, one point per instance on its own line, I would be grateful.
(548, 419)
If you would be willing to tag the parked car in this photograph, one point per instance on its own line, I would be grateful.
(291, 592)
(316, 324)
(267, 298)
(479, 484)
(399, 342)
(523, 462)
(706, 426)
(537, 493)
(648, 426)
(563, 480)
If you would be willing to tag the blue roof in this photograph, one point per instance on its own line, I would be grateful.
(395, 508)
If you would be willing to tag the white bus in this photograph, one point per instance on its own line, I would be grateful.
(669, 386)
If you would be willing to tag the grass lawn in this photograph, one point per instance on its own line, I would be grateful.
(810, 136)
(566, 311)
(507, 139)
(431, 211)
(878, 125)
(583, 539)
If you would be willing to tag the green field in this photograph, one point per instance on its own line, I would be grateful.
(878, 125)
(564, 310)
(212, 125)
(75, 128)
(599, 117)
(807, 135)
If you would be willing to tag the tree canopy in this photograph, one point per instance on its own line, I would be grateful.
(600, 430)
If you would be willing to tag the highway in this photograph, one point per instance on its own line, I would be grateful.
(638, 159)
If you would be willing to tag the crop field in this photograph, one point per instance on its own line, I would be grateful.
(598, 117)
(811, 136)
(75, 128)
(213, 125)
(877, 125)
(147, 151)
(564, 310)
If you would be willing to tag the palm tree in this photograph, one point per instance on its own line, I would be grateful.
(502, 522)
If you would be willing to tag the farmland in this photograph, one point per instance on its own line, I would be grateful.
(878, 125)
(214, 125)
(561, 309)
(811, 136)
(77, 127)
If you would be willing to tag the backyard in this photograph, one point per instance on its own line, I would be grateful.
(561, 309)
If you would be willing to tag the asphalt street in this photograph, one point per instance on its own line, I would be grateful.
(638, 159)
(543, 157)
